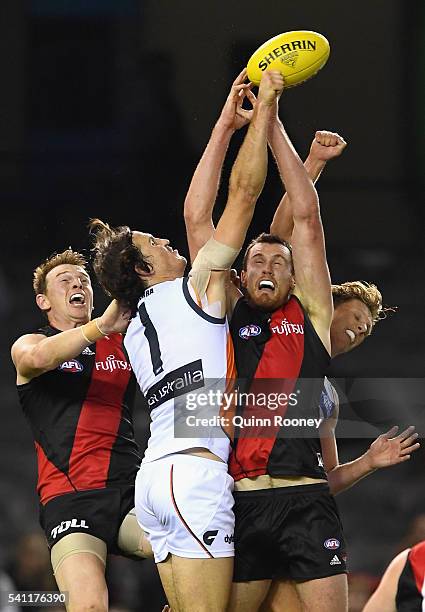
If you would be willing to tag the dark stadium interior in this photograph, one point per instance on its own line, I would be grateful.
(106, 107)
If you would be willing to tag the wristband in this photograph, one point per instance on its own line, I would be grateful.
(92, 332)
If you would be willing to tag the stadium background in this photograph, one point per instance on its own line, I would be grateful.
(105, 109)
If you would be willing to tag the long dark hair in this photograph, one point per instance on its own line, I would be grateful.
(114, 262)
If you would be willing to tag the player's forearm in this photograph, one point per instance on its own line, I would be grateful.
(344, 476)
(299, 186)
(250, 168)
(283, 220)
(202, 193)
(51, 352)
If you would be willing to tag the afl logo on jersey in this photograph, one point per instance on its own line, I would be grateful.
(73, 366)
(332, 544)
(249, 330)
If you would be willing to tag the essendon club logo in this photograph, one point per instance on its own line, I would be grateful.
(72, 366)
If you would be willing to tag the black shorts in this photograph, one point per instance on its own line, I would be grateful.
(98, 512)
(293, 533)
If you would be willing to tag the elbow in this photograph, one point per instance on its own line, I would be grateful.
(245, 192)
(310, 220)
(42, 360)
(191, 217)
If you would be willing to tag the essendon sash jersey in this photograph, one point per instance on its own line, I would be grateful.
(81, 417)
(411, 589)
(278, 355)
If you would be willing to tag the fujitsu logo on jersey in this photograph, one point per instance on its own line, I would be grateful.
(73, 366)
(111, 363)
(286, 328)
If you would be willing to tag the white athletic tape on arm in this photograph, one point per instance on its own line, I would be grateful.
(213, 257)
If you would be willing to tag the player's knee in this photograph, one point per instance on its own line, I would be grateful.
(132, 540)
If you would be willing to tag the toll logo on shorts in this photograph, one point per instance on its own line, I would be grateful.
(65, 525)
(249, 330)
(209, 537)
(73, 366)
(332, 544)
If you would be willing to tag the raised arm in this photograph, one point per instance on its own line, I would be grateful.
(250, 168)
(202, 193)
(246, 182)
(313, 285)
(325, 146)
(34, 354)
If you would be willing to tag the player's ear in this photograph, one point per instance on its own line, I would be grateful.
(43, 302)
(243, 278)
(144, 271)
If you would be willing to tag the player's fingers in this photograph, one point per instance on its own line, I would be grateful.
(409, 449)
(406, 433)
(405, 458)
(389, 434)
(251, 96)
(239, 88)
(240, 78)
(408, 441)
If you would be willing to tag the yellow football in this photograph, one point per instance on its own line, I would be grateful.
(297, 55)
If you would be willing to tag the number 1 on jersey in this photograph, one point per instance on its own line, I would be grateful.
(152, 338)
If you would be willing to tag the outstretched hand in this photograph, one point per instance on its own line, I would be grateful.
(271, 87)
(234, 116)
(327, 145)
(115, 318)
(389, 449)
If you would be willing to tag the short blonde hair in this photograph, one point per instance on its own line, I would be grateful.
(66, 257)
(367, 293)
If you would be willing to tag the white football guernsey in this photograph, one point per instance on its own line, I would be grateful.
(177, 350)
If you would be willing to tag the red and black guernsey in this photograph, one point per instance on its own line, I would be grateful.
(277, 354)
(81, 417)
(411, 588)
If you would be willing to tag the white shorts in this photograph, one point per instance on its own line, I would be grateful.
(184, 504)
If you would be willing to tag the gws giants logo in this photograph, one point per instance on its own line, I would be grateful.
(209, 537)
(73, 366)
(65, 525)
(111, 363)
(249, 330)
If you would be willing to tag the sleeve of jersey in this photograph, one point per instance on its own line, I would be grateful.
(213, 257)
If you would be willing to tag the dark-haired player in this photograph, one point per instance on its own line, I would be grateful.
(284, 512)
(76, 389)
(177, 342)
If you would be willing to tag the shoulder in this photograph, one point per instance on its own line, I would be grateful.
(26, 341)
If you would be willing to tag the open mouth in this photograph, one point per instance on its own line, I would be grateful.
(77, 299)
(351, 335)
(266, 284)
